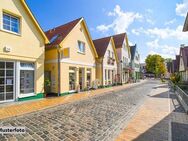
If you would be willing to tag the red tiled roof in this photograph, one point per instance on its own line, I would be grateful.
(60, 32)
(119, 39)
(101, 45)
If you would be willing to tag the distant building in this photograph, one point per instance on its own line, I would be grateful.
(143, 70)
(135, 62)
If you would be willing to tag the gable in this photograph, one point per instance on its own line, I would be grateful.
(30, 39)
(111, 48)
(20, 9)
(79, 34)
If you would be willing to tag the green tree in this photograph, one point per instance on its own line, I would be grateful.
(155, 64)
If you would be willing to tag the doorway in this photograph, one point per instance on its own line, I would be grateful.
(81, 78)
(7, 84)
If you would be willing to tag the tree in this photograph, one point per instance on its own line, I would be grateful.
(155, 64)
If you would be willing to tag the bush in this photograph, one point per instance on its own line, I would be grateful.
(175, 78)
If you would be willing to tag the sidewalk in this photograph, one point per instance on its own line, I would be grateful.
(20, 108)
(160, 118)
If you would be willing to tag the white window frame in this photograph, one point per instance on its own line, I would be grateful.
(18, 79)
(84, 49)
(14, 85)
(10, 31)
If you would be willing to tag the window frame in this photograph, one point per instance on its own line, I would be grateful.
(21, 95)
(79, 51)
(4, 12)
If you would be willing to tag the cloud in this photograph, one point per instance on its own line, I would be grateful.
(150, 21)
(134, 31)
(130, 43)
(165, 51)
(122, 20)
(164, 33)
(170, 22)
(153, 44)
(150, 11)
(182, 8)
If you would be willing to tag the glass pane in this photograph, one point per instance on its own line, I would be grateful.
(9, 73)
(27, 81)
(9, 96)
(2, 81)
(2, 73)
(2, 98)
(6, 27)
(1, 89)
(7, 17)
(14, 29)
(9, 65)
(2, 65)
(14, 20)
(26, 91)
(6, 22)
(9, 88)
(9, 81)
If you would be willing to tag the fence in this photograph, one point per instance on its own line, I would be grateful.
(182, 96)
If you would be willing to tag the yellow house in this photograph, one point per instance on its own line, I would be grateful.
(71, 53)
(22, 44)
(107, 61)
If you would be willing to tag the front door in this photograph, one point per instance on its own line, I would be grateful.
(7, 81)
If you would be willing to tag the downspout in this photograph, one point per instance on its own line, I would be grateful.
(102, 72)
(59, 69)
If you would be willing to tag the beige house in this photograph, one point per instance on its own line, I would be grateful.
(107, 61)
(71, 53)
(22, 44)
(124, 57)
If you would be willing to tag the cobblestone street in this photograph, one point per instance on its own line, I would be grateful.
(96, 118)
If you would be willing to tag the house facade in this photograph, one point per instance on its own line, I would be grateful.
(107, 61)
(175, 64)
(72, 53)
(124, 57)
(135, 62)
(22, 43)
(183, 64)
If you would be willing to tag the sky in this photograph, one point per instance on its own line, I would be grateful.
(154, 25)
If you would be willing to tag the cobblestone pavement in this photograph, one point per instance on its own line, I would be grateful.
(96, 118)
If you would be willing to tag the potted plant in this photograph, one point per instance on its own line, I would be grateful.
(47, 85)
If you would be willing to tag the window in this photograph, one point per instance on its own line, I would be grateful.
(109, 53)
(26, 78)
(11, 23)
(72, 78)
(112, 55)
(81, 46)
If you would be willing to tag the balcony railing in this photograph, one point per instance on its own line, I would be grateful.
(110, 61)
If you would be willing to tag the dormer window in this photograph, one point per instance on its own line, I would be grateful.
(11, 23)
(81, 47)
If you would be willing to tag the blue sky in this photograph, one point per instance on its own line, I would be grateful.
(155, 26)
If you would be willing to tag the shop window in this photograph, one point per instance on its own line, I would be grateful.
(27, 78)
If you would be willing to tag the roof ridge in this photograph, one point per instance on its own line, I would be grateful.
(102, 38)
(67, 23)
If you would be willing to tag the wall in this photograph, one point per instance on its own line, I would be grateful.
(28, 46)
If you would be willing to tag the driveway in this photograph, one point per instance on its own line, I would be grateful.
(95, 118)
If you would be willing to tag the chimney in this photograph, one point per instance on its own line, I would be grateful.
(51, 30)
(182, 45)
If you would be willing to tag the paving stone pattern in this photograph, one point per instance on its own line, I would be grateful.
(94, 119)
